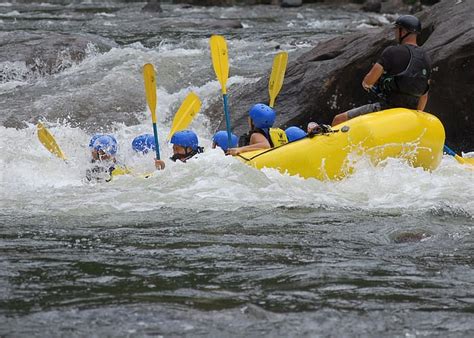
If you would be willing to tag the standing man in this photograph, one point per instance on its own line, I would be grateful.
(401, 75)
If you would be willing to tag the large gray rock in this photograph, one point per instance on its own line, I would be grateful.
(327, 80)
(44, 53)
(152, 6)
(449, 36)
(27, 55)
(291, 3)
(372, 6)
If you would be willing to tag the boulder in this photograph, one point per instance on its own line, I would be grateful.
(327, 79)
(40, 53)
(448, 36)
(372, 6)
(225, 2)
(152, 6)
(291, 3)
(394, 6)
(27, 55)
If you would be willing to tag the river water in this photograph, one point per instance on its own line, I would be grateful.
(211, 247)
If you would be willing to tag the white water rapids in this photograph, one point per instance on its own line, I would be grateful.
(34, 181)
(211, 247)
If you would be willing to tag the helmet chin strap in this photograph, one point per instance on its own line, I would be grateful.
(401, 38)
(187, 155)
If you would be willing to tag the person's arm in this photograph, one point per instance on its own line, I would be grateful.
(339, 118)
(372, 76)
(422, 102)
(257, 142)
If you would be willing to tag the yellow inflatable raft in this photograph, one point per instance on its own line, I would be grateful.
(412, 135)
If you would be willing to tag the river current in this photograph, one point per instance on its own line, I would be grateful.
(211, 247)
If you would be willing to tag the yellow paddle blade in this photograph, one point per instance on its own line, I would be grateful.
(277, 76)
(121, 170)
(464, 160)
(185, 114)
(48, 141)
(220, 60)
(469, 161)
(150, 89)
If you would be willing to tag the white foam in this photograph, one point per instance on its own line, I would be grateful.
(214, 181)
(12, 13)
(364, 26)
(13, 71)
(324, 24)
(106, 15)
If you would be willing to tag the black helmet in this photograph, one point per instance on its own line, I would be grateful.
(410, 23)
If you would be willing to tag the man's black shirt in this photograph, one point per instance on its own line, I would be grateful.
(394, 59)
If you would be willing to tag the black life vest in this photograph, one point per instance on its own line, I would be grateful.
(275, 136)
(405, 88)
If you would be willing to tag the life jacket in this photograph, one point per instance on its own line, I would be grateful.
(275, 136)
(278, 137)
(104, 172)
(405, 88)
(120, 170)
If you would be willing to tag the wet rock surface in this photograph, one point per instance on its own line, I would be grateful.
(42, 53)
(152, 6)
(326, 80)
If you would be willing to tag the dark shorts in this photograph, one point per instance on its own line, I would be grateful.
(365, 109)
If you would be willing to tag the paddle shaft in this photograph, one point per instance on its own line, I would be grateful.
(449, 151)
(227, 120)
(157, 148)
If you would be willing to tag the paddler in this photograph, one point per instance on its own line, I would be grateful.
(400, 77)
(261, 135)
(294, 133)
(103, 150)
(185, 146)
(221, 140)
(143, 143)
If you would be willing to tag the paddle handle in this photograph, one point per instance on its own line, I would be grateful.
(227, 120)
(157, 147)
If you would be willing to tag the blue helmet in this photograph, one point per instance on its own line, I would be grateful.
(143, 143)
(95, 137)
(220, 138)
(106, 143)
(91, 142)
(294, 133)
(185, 138)
(262, 115)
